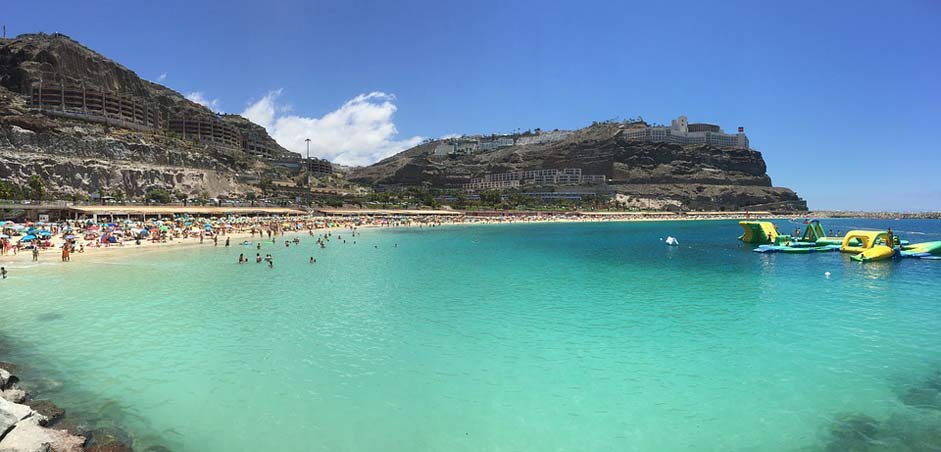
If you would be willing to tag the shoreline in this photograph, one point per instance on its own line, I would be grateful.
(51, 255)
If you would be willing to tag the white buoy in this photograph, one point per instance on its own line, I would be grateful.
(827, 274)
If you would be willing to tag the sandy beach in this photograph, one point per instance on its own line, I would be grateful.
(91, 252)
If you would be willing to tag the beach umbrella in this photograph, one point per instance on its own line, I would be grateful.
(44, 233)
(4, 236)
(69, 237)
(28, 238)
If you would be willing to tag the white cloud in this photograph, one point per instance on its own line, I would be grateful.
(360, 132)
(201, 99)
(162, 77)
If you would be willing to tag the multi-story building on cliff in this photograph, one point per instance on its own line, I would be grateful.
(77, 101)
(681, 132)
(470, 145)
(540, 177)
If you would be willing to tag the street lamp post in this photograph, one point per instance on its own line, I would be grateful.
(307, 140)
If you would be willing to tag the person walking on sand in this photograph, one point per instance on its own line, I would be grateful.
(66, 247)
(35, 252)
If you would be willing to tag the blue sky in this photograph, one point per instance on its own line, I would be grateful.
(841, 97)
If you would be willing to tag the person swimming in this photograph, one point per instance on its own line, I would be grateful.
(242, 259)
(312, 260)
(257, 258)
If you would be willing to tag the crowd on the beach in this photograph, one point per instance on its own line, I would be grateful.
(71, 237)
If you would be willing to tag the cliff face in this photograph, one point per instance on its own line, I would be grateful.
(695, 176)
(81, 158)
(73, 155)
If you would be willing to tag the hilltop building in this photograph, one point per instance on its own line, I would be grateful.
(682, 132)
(470, 145)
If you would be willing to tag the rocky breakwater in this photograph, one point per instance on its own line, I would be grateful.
(25, 428)
(29, 424)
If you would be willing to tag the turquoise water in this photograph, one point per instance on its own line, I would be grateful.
(589, 337)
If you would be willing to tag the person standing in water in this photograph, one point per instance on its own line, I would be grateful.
(3, 272)
(226, 241)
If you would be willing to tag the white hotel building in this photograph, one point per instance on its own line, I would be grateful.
(681, 132)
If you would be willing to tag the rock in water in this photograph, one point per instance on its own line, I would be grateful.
(15, 395)
(6, 379)
(49, 410)
(29, 436)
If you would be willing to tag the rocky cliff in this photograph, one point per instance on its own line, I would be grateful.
(81, 156)
(694, 176)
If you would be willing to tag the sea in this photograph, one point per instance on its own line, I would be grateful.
(515, 337)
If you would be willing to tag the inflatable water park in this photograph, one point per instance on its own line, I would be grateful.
(863, 246)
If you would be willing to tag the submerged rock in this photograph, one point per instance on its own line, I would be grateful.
(49, 410)
(922, 397)
(109, 439)
(918, 430)
(926, 394)
(156, 449)
(852, 432)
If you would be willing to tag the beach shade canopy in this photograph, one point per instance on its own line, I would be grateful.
(69, 237)
(28, 238)
(44, 234)
(4, 236)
